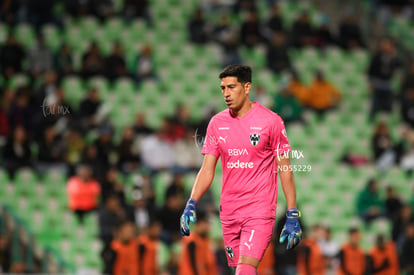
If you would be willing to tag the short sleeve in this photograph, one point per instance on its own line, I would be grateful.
(280, 143)
(210, 146)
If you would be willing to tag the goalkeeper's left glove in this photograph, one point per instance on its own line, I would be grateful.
(291, 230)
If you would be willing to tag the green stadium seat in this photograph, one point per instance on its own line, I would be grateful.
(25, 35)
(160, 183)
(74, 88)
(124, 88)
(18, 80)
(113, 28)
(4, 29)
(88, 25)
(52, 36)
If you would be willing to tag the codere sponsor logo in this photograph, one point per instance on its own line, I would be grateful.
(240, 164)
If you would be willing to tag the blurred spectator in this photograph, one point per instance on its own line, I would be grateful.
(351, 257)
(399, 226)
(198, 28)
(115, 63)
(78, 8)
(40, 57)
(156, 152)
(274, 23)
(144, 66)
(350, 35)
(63, 61)
(393, 203)
(9, 11)
(92, 62)
(226, 36)
(89, 109)
(197, 256)
(111, 186)
(137, 8)
(83, 192)
(230, 52)
(103, 9)
(384, 258)
(140, 126)
(244, 6)
(128, 155)
(41, 12)
(169, 216)
(6, 98)
(117, 256)
(407, 251)
(143, 211)
(330, 249)
(47, 88)
(150, 249)
(16, 152)
(104, 146)
(369, 203)
(287, 106)
(250, 34)
(404, 150)
(407, 96)
(382, 146)
(302, 34)
(381, 70)
(20, 112)
(12, 56)
(90, 157)
(51, 152)
(5, 253)
(177, 187)
(323, 35)
(297, 88)
(181, 120)
(18, 267)
(187, 155)
(111, 214)
(310, 257)
(223, 31)
(277, 56)
(322, 95)
(262, 96)
(75, 146)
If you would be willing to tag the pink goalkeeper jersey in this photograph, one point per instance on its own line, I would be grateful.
(247, 147)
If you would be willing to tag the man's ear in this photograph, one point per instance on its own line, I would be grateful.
(247, 87)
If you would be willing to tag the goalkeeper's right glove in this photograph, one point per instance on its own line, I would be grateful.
(189, 215)
(291, 230)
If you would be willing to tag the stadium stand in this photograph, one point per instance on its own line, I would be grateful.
(186, 74)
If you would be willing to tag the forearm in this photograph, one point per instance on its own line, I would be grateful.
(289, 188)
(202, 183)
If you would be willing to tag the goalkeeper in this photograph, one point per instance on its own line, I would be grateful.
(252, 143)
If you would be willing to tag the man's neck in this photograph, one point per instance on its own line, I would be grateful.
(244, 109)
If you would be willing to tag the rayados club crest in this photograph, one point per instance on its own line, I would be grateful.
(254, 139)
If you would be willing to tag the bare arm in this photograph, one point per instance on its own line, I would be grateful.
(287, 181)
(205, 177)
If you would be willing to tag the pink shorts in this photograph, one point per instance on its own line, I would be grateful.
(247, 237)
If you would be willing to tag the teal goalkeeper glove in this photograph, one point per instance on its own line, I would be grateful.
(291, 230)
(189, 215)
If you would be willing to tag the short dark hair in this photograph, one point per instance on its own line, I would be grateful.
(353, 230)
(242, 72)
